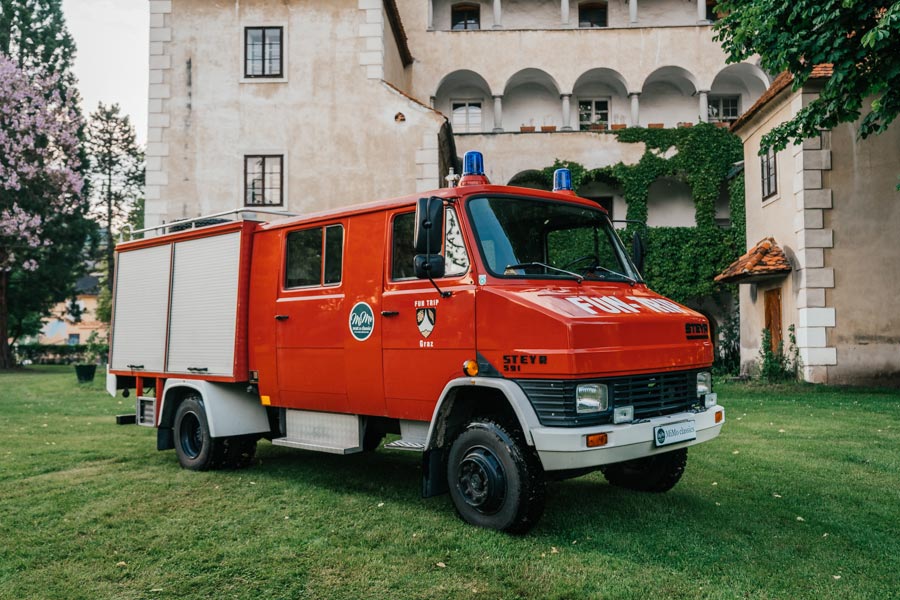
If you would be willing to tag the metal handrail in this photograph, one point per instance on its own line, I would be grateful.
(244, 212)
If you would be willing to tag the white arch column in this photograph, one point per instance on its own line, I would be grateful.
(564, 12)
(635, 108)
(498, 113)
(566, 111)
(701, 10)
(498, 14)
(632, 12)
(430, 23)
(704, 105)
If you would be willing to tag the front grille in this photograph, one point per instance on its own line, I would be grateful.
(652, 395)
(655, 395)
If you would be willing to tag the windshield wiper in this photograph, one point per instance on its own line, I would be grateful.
(630, 280)
(576, 276)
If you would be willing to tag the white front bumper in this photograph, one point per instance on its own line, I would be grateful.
(566, 448)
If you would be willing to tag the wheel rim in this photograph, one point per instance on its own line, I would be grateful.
(191, 435)
(481, 480)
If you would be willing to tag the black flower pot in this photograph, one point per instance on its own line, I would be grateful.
(85, 373)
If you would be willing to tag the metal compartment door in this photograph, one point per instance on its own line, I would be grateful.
(204, 308)
(141, 306)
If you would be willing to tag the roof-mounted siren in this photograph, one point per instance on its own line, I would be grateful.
(473, 169)
(562, 182)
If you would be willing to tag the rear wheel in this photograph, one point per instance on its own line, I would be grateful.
(656, 474)
(196, 449)
(495, 479)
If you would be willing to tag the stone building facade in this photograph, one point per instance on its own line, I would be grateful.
(300, 106)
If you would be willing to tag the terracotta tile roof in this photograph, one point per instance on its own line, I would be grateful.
(393, 15)
(762, 261)
(411, 98)
(779, 84)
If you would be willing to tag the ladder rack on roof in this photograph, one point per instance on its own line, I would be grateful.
(249, 214)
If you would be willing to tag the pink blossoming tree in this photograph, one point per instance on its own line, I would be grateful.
(41, 200)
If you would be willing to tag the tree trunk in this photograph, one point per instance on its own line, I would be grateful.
(6, 358)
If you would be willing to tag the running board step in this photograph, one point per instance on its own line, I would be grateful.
(405, 445)
(291, 443)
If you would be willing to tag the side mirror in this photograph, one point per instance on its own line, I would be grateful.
(638, 250)
(429, 266)
(429, 232)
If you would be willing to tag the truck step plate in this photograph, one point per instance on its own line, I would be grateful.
(405, 445)
(305, 445)
(682, 431)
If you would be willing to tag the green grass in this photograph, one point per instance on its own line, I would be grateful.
(798, 498)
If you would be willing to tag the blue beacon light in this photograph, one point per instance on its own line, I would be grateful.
(562, 180)
(473, 163)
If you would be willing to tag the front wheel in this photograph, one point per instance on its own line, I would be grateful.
(495, 479)
(656, 474)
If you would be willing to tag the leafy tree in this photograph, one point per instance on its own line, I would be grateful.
(860, 38)
(33, 33)
(116, 173)
(43, 228)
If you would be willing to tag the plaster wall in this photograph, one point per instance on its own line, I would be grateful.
(508, 154)
(331, 116)
(771, 217)
(670, 204)
(865, 218)
(547, 14)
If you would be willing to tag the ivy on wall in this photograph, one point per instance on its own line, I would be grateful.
(681, 261)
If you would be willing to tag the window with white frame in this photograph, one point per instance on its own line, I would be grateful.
(592, 112)
(263, 55)
(465, 17)
(724, 108)
(263, 180)
(466, 115)
(769, 174)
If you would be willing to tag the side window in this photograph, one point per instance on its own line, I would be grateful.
(304, 257)
(334, 253)
(262, 51)
(402, 251)
(456, 259)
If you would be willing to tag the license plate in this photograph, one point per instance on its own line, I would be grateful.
(674, 433)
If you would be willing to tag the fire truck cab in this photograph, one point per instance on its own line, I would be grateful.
(504, 333)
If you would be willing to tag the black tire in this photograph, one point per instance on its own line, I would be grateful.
(196, 449)
(654, 474)
(495, 479)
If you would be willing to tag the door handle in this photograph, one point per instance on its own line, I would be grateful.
(281, 317)
(390, 313)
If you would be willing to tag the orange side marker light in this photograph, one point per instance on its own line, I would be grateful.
(596, 439)
(719, 416)
(470, 368)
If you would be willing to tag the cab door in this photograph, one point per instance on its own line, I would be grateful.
(426, 338)
(309, 313)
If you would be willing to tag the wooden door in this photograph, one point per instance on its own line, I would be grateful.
(773, 316)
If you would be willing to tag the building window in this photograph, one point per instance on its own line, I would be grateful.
(465, 17)
(724, 108)
(592, 111)
(592, 14)
(74, 339)
(262, 51)
(769, 174)
(263, 180)
(466, 115)
(304, 265)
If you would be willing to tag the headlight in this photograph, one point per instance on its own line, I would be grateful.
(591, 398)
(704, 383)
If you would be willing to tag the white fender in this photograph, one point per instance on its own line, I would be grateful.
(230, 409)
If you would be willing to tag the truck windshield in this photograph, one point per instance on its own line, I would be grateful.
(531, 238)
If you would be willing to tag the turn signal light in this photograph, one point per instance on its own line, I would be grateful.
(719, 416)
(596, 439)
(470, 368)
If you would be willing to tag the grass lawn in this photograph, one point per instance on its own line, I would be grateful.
(798, 498)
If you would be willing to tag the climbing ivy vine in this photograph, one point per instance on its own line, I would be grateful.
(681, 261)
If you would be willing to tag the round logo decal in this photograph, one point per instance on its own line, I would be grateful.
(362, 321)
(660, 436)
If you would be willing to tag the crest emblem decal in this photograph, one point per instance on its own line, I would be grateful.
(425, 318)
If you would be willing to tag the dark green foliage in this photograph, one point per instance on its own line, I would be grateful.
(34, 33)
(861, 39)
(779, 365)
(60, 353)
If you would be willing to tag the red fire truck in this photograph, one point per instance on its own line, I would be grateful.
(503, 333)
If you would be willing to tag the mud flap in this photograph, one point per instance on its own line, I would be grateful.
(434, 473)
